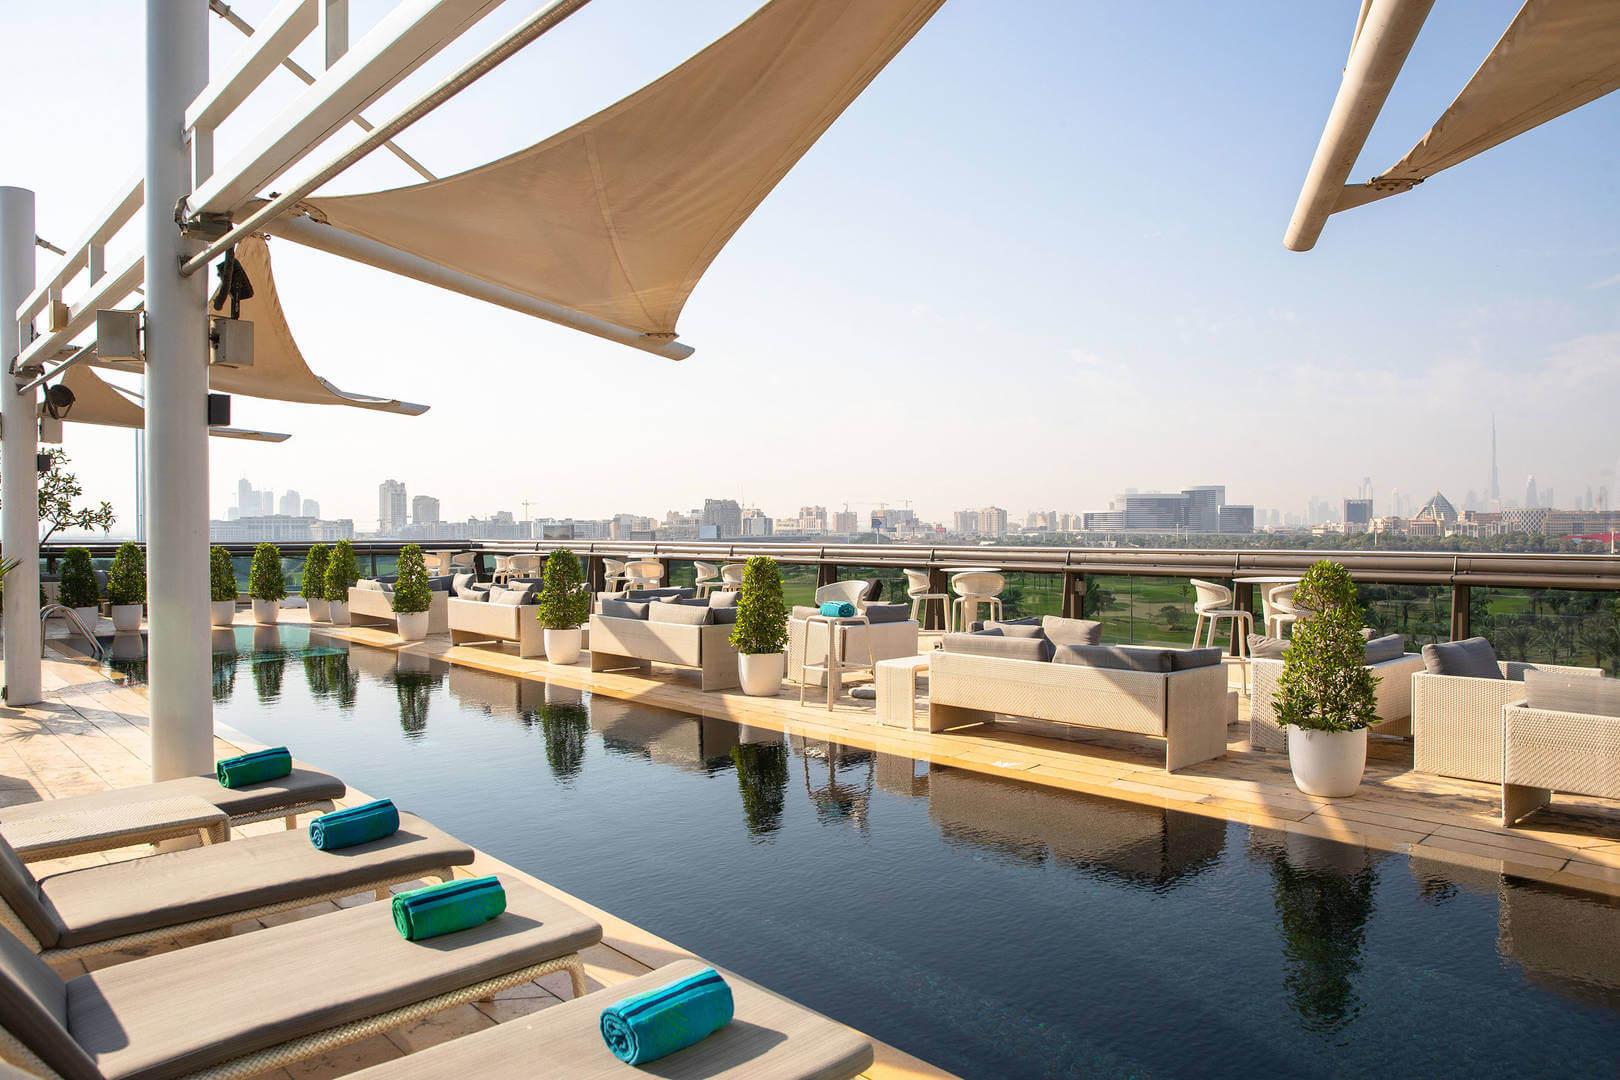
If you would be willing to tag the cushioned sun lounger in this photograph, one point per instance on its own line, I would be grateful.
(118, 905)
(770, 1038)
(241, 1005)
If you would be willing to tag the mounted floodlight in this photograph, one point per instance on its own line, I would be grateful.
(59, 401)
(118, 334)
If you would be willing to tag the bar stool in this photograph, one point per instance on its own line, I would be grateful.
(972, 589)
(1214, 603)
(917, 590)
(708, 577)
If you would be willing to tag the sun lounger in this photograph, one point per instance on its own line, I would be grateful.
(771, 1038)
(119, 905)
(136, 815)
(261, 1001)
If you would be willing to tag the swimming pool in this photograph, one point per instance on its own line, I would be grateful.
(991, 927)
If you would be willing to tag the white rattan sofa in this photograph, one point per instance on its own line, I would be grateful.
(619, 642)
(489, 620)
(1564, 737)
(372, 602)
(1393, 695)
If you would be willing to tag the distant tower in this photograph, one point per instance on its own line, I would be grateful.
(1496, 487)
(1531, 498)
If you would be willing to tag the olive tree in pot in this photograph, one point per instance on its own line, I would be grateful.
(565, 603)
(412, 597)
(126, 587)
(1327, 690)
(341, 574)
(221, 587)
(79, 590)
(267, 584)
(760, 633)
(314, 583)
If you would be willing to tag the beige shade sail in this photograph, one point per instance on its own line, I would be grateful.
(1556, 56)
(619, 216)
(97, 401)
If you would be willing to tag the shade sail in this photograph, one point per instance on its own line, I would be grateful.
(1556, 56)
(96, 401)
(619, 216)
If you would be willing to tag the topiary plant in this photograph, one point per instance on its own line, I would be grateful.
(126, 578)
(79, 588)
(762, 614)
(313, 587)
(341, 572)
(411, 592)
(564, 600)
(221, 576)
(1326, 685)
(266, 579)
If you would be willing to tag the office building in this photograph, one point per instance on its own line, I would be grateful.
(424, 510)
(311, 508)
(1203, 508)
(846, 523)
(291, 504)
(724, 516)
(391, 507)
(755, 522)
(1358, 514)
(1235, 519)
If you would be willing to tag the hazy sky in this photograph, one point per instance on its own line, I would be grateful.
(1040, 260)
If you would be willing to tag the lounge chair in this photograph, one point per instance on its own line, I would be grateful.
(243, 1005)
(98, 909)
(770, 1038)
(135, 815)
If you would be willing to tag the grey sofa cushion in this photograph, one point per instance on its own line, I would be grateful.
(1585, 694)
(723, 599)
(668, 593)
(1267, 648)
(441, 583)
(20, 891)
(887, 613)
(1388, 647)
(527, 595)
(624, 609)
(1072, 631)
(677, 612)
(1473, 658)
(1016, 628)
(33, 1000)
(1136, 657)
(466, 587)
(1188, 659)
(995, 643)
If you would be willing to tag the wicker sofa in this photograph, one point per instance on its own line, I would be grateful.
(690, 633)
(1393, 695)
(490, 620)
(372, 602)
(1564, 737)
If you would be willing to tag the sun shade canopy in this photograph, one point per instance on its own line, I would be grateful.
(97, 401)
(619, 216)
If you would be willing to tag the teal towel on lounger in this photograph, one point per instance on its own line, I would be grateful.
(446, 908)
(254, 768)
(356, 825)
(649, 1026)
(838, 609)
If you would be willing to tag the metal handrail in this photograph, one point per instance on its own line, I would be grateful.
(96, 648)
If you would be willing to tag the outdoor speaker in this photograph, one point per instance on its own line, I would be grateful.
(230, 342)
(219, 410)
(42, 463)
(118, 334)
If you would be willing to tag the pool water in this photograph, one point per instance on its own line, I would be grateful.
(991, 927)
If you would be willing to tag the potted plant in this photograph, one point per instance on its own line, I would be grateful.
(313, 587)
(79, 590)
(267, 584)
(412, 597)
(760, 633)
(221, 587)
(564, 604)
(341, 574)
(126, 587)
(1326, 694)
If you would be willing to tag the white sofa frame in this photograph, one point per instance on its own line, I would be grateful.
(618, 644)
(482, 620)
(375, 607)
(1393, 696)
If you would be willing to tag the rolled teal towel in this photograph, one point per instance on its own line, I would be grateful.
(254, 768)
(838, 609)
(356, 825)
(444, 909)
(649, 1026)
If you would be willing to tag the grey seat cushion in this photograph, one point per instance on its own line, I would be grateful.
(1388, 647)
(668, 592)
(1188, 659)
(1473, 658)
(770, 1038)
(1072, 631)
(723, 599)
(302, 785)
(995, 643)
(1267, 648)
(441, 582)
(33, 1007)
(683, 614)
(1136, 657)
(624, 609)
(724, 614)
(877, 614)
(1015, 628)
(186, 1010)
(101, 902)
(1583, 694)
(20, 891)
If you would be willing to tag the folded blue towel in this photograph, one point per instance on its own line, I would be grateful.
(838, 609)
(254, 768)
(446, 908)
(356, 825)
(657, 1023)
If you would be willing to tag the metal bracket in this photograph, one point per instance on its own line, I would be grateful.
(208, 226)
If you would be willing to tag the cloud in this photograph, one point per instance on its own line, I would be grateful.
(1613, 279)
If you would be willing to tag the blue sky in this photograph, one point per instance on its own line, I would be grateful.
(1039, 261)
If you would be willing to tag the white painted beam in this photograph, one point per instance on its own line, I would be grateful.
(289, 23)
(118, 283)
(115, 216)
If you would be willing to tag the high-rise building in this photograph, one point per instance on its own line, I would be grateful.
(755, 522)
(1358, 515)
(1496, 488)
(424, 510)
(846, 523)
(967, 523)
(722, 515)
(1531, 497)
(391, 507)
(993, 521)
(1236, 519)
(247, 499)
(311, 508)
(1203, 508)
(291, 504)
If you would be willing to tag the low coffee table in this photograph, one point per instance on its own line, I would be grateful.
(897, 690)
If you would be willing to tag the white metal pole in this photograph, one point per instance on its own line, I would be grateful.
(19, 430)
(180, 669)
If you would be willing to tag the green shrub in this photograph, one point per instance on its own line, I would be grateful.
(126, 578)
(79, 588)
(411, 592)
(314, 584)
(761, 626)
(221, 575)
(341, 572)
(1325, 682)
(565, 600)
(266, 579)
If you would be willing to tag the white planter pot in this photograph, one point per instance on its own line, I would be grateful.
(337, 612)
(562, 646)
(1327, 763)
(126, 617)
(412, 625)
(89, 616)
(761, 673)
(318, 611)
(266, 612)
(222, 612)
